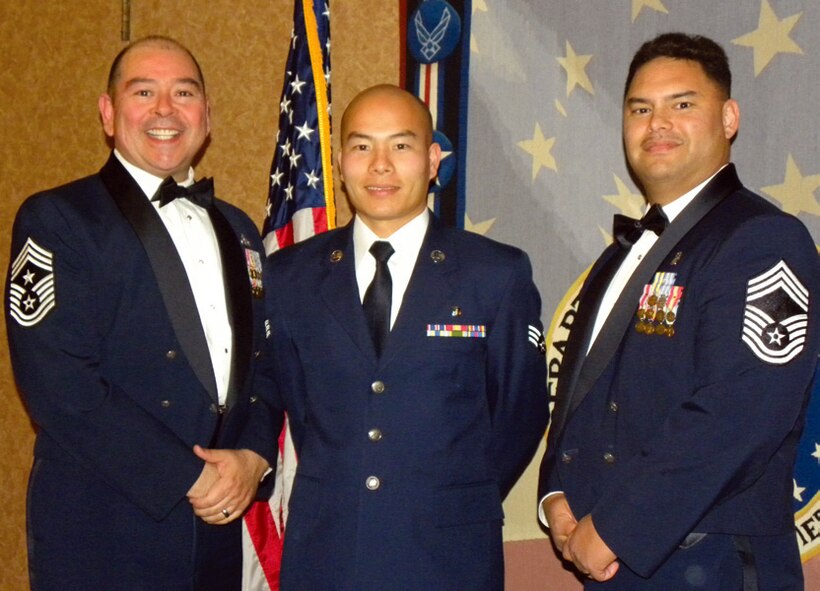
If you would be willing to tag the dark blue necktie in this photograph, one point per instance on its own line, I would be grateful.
(628, 230)
(379, 295)
(201, 192)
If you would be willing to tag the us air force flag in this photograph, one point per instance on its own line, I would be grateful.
(436, 52)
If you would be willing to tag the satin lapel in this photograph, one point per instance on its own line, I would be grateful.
(167, 267)
(581, 331)
(432, 284)
(612, 333)
(340, 291)
(238, 299)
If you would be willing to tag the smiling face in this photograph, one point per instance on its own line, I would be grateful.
(158, 112)
(387, 159)
(677, 127)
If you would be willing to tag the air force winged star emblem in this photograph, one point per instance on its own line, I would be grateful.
(431, 40)
(776, 316)
(31, 285)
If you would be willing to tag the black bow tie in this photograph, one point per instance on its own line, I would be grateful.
(201, 192)
(628, 230)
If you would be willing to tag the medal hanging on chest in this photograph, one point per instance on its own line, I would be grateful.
(658, 306)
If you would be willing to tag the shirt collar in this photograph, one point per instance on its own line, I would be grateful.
(405, 240)
(147, 181)
(673, 209)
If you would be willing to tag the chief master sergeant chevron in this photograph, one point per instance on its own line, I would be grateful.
(686, 377)
(408, 438)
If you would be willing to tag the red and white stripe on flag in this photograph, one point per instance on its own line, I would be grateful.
(304, 224)
(300, 204)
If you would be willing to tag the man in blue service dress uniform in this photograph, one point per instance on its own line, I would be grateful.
(684, 386)
(408, 437)
(132, 319)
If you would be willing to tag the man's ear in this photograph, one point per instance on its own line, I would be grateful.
(106, 106)
(731, 118)
(434, 154)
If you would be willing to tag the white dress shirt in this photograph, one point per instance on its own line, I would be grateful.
(406, 243)
(634, 257)
(193, 234)
(616, 285)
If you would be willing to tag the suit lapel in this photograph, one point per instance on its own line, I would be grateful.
(432, 281)
(578, 342)
(168, 269)
(238, 299)
(340, 292)
(612, 333)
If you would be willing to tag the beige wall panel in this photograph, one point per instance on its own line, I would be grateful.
(55, 58)
(365, 52)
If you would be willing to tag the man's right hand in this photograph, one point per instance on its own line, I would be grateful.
(207, 478)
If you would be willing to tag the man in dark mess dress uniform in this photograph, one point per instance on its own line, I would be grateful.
(683, 388)
(134, 306)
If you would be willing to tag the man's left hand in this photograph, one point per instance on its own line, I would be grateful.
(589, 552)
(240, 471)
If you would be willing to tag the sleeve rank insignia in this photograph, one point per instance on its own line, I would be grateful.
(776, 315)
(31, 285)
(536, 337)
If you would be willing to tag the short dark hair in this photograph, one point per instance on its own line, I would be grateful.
(681, 46)
(158, 41)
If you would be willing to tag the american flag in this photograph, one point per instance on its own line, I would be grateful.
(300, 201)
(300, 204)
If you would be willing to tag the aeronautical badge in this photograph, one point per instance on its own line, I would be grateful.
(254, 264)
(31, 286)
(776, 315)
(536, 337)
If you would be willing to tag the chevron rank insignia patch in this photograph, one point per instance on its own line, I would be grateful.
(31, 285)
(536, 337)
(776, 315)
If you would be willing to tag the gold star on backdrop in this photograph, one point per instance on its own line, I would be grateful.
(631, 204)
(638, 5)
(478, 227)
(771, 37)
(816, 453)
(576, 74)
(796, 193)
(560, 108)
(540, 148)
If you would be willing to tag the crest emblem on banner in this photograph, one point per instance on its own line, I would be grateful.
(436, 31)
(31, 286)
(776, 315)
